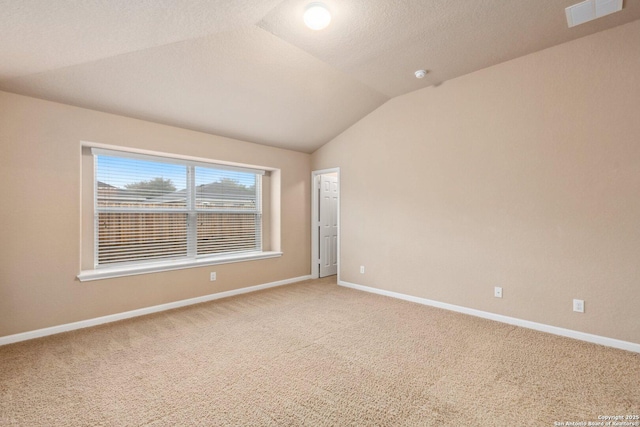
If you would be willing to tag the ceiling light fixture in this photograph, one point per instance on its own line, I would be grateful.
(317, 16)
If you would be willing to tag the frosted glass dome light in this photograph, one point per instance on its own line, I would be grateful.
(317, 16)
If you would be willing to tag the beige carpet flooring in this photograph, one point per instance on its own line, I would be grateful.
(312, 354)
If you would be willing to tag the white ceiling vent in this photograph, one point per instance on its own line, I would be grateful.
(589, 10)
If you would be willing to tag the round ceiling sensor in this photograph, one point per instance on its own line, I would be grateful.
(317, 16)
(420, 74)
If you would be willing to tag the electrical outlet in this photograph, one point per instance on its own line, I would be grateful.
(362, 269)
(578, 305)
(497, 292)
(212, 277)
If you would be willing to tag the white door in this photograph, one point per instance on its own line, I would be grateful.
(328, 225)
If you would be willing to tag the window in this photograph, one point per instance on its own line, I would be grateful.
(151, 210)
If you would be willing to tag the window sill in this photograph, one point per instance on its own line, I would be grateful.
(130, 270)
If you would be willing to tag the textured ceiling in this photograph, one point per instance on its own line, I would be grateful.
(249, 69)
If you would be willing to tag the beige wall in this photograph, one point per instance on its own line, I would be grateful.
(40, 215)
(525, 175)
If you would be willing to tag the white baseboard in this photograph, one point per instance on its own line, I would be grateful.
(597, 339)
(141, 312)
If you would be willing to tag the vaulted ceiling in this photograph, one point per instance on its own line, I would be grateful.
(250, 69)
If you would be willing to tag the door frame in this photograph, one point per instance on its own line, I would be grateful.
(315, 254)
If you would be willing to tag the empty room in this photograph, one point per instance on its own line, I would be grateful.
(320, 213)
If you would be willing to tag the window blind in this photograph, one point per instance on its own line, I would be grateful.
(154, 208)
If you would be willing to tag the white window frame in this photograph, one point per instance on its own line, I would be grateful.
(191, 260)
